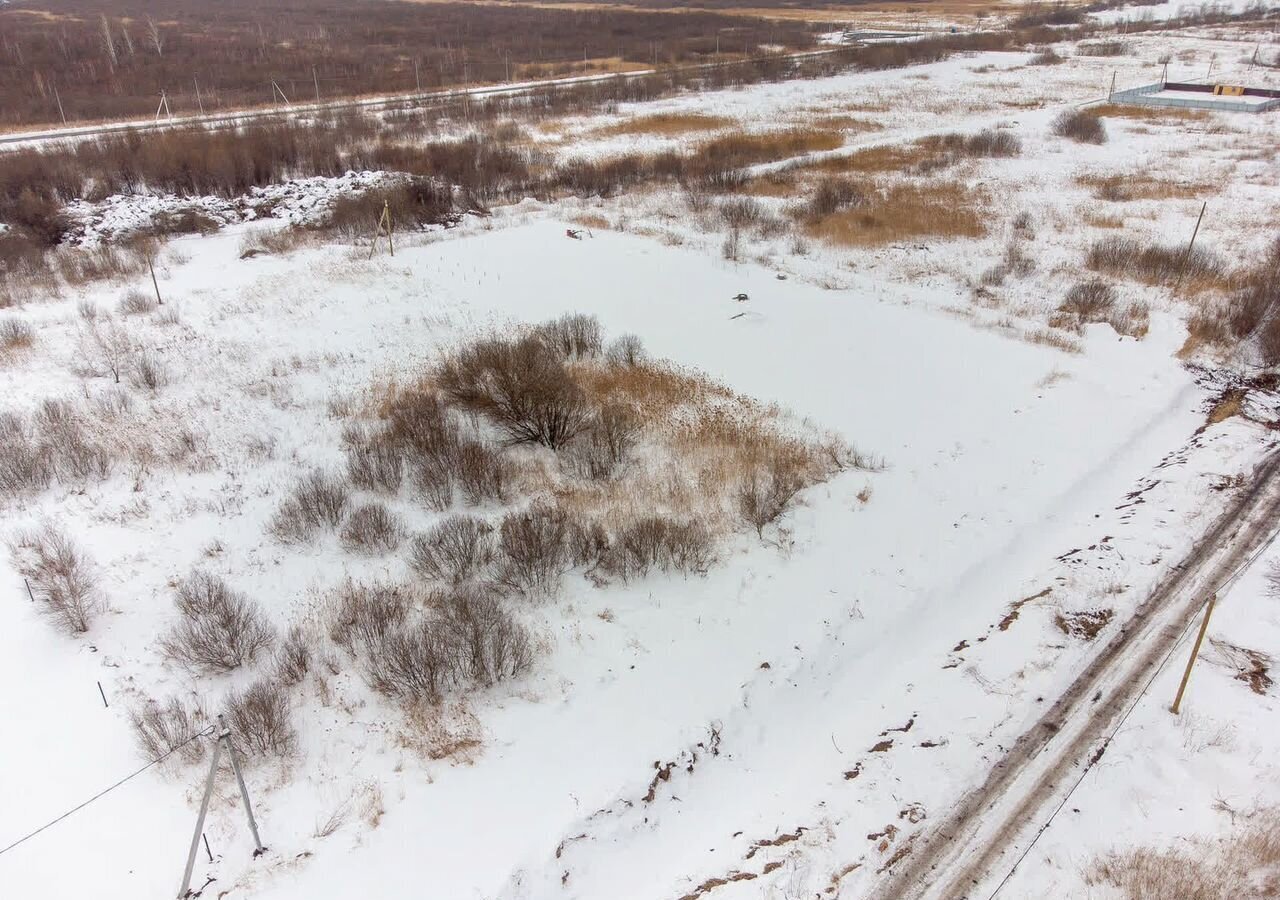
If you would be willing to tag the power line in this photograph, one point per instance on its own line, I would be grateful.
(1223, 588)
(105, 791)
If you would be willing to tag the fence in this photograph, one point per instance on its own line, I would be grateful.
(1252, 100)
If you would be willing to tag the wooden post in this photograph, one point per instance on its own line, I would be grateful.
(155, 284)
(59, 99)
(1111, 90)
(104, 696)
(386, 212)
(199, 99)
(1164, 75)
(29, 594)
(1195, 651)
(416, 79)
(1187, 254)
(316, 81)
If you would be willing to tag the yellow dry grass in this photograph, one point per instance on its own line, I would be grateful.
(904, 211)
(598, 65)
(1159, 115)
(668, 124)
(1102, 220)
(1123, 188)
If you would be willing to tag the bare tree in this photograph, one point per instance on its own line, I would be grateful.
(153, 33)
(110, 346)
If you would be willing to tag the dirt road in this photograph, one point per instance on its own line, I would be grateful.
(968, 853)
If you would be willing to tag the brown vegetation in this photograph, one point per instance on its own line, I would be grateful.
(1082, 126)
(671, 124)
(62, 579)
(1136, 186)
(219, 630)
(905, 211)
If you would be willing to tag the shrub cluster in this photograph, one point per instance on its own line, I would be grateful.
(162, 728)
(1081, 126)
(316, 503)
(54, 442)
(1153, 263)
(63, 579)
(219, 629)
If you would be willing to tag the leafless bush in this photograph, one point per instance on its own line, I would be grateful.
(741, 212)
(420, 423)
(731, 248)
(15, 334)
(62, 578)
(1102, 48)
(293, 656)
(372, 529)
(1090, 301)
(1153, 263)
(766, 492)
(87, 310)
(414, 662)
(625, 350)
(455, 550)
(521, 385)
(108, 347)
(161, 729)
(136, 303)
(317, 502)
(606, 444)
(573, 335)
(834, 194)
(366, 613)
(148, 372)
(1080, 126)
(261, 719)
(481, 472)
(1046, 57)
(375, 462)
(589, 544)
(26, 464)
(535, 550)
(219, 630)
(661, 543)
(488, 643)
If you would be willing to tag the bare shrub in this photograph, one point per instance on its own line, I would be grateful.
(1084, 624)
(420, 423)
(220, 629)
(625, 350)
(261, 719)
(136, 303)
(317, 502)
(15, 334)
(293, 656)
(767, 492)
(741, 212)
(656, 542)
(160, 729)
(26, 464)
(1091, 300)
(521, 385)
(833, 194)
(375, 462)
(366, 613)
(372, 529)
(535, 550)
(1154, 263)
(413, 662)
(1046, 57)
(108, 347)
(607, 443)
(487, 642)
(455, 550)
(573, 335)
(1080, 126)
(481, 472)
(589, 544)
(1102, 48)
(148, 372)
(62, 578)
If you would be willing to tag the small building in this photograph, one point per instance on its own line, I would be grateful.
(1193, 95)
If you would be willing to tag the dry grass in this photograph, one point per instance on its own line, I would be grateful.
(906, 211)
(1166, 115)
(1205, 870)
(670, 124)
(1230, 404)
(1136, 186)
(1102, 220)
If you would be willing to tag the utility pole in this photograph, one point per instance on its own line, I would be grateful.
(155, 284)
(1111, 90)
(199, 100)
(416, 80)
(59, 99)
(316, 81)
(1186, 255)
(1195, 651)
(224, 739)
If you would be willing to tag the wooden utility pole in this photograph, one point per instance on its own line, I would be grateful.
(383, 229)
(199, 100)
(1195, 651)
(1111, 90)
(59, 99)
(1186, 255)
(155, 284)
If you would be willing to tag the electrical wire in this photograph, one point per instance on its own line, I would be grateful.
(98, 796)
(1223, 588)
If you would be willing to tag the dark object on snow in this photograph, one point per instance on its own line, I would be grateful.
(573, 233)
(250, 252)
(740, 297)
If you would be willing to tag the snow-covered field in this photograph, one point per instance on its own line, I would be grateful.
(780, 727)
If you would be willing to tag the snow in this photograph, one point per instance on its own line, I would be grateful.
(1197, 95)
(1161, 12)
(1012, 468)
